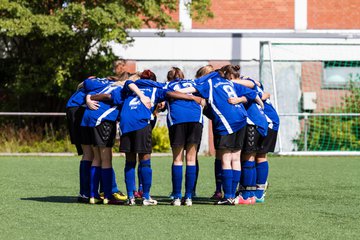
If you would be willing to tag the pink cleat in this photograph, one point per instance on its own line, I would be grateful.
(240, 200)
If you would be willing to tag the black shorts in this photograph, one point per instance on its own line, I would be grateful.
(74, 116)
(139, 141)
(86, 135)
(252, 140)
(268, 143)
(104, 134)
(183, 134)
(232, 141)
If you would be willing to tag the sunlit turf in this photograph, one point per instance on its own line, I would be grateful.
(308, 198)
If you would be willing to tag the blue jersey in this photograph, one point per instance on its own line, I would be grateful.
(77, 99)
(227, 118)
(107, 110)
(134, 114)
(269, 110)
(182, 111)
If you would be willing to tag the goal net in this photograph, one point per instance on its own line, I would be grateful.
(316, 90)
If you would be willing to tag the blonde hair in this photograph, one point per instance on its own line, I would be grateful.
(204, 70)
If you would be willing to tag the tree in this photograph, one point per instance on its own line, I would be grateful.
(48, 46)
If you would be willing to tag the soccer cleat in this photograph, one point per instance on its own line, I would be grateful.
(149, 202)
(260, 200)
(82, 198)
(188, 202)
(95, 200)
(240, 200)
(138, 194)
(216, 196)
(101, 195)
(176, 202)
(119, 196)
(131, 202)
(225, 201)
(112, 201)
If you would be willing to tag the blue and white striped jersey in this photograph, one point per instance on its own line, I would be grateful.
(227, 118)
(134, 114)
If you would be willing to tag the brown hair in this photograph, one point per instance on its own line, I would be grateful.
(148, 74)
(204, 70)
(229, 71)
(175, 73)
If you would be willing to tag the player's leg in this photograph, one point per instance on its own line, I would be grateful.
(127, 146)
(193, 138)
(248, 175)
(143, 146)
(236, 171)
(190, 175)
(218, 177)
(227, 176)
(84, 171)
(95, 176)
(262, 172)
(176, 174)
(262, 165)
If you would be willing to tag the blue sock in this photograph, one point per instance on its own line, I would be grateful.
(253, 182)
(197, 175)
(146, 173)
(218, 177)
(139, 178)
(95, 175)
(190, 177)
(114, 185)
(248, 168)
(84, 176)
(176, 173)
(235, 181)
(262, 171)
(227, 177)
(129, 172)
(107, 178)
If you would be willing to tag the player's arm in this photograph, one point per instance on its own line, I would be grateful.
(144, 99)
(187, 90)
(265, 96)
(259, 101)
(237, 100)
(92, 104)
(183, 96)
(245, 83)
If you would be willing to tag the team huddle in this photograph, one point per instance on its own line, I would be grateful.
(244, 125)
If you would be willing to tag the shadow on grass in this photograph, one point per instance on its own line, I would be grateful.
(162, 200)
(53, 199)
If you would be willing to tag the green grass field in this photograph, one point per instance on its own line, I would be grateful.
(309, 198)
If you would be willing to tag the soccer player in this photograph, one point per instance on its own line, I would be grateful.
(75, 108)
(229, 121)
(268, 142)
(103, 130)
(184, 121)
(256, 130)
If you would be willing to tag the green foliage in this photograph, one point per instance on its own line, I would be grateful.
(335, 133)
(50, 46)
(160, 139)
(25, 140)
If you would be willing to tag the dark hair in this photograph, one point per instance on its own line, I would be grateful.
(148, 74)
(229, 71)
(175, 73)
